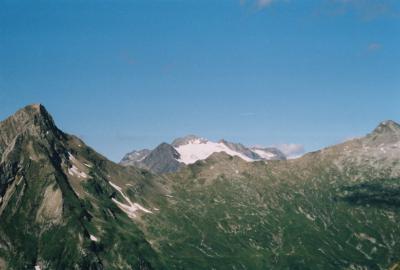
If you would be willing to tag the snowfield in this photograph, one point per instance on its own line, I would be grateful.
(199, 149)
(74, 171)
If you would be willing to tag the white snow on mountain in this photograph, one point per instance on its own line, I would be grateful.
(74, 171)
(263, 154)
(93, 238)
(199, 149)
(129, 208)
(189, 149)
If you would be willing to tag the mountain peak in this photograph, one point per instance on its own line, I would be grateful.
(388, 126)
(32, 118)
(187, 139)
(35, 106)
(386, 132)
(135, 157)
(33, 113)
(162, 159)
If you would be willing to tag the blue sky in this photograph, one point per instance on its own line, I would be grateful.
(125, 75)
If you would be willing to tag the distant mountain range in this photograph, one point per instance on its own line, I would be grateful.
(190, 149)
(64, 206)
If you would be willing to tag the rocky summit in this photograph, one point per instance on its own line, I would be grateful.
(64, 206)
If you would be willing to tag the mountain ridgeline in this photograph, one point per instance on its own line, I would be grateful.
(220, 206)
(172, 157)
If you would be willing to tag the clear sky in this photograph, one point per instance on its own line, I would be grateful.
(125, 75)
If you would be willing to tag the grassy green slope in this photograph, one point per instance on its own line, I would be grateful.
(305, 214)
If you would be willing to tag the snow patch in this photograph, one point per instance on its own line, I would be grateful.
(74, 171)
(129, 208)
(71, 157)
(364, 236)
(307, 215)
(37, 267)
(199, 149)
(93, 238)
(141, 159)
(263, 154)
